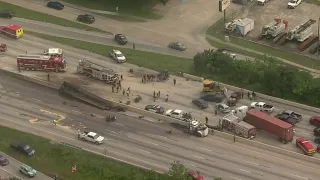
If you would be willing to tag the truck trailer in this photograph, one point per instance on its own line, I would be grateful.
(234, 124)
(270, 124)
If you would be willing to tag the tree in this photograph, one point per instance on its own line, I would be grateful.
(164, 2)
(177, 172)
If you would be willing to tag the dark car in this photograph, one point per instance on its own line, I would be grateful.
(234, 98)
(3, 161)
(3, 47)
(242, 2)
(86, 18)
(200, 103)
(6, 14)
(317, 140)
(22, 147)
(55, 5)
(121, 39)
(318, 148)
(177, 46)
(315, 120)
(155, 108)
(213, 97)
(316, 131)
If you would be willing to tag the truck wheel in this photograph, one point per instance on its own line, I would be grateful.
(83, 139)
(33, 69)
(27, 69)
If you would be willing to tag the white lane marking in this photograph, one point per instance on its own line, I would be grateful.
(36, 99)
(145, 151)
(191, 165)
(245, 170)
(76, 111)
(162, 137)
(111, 131)
(10, 173)
(119, 124)
(198, 157)
(244, 160)
(296, 175)
(205, 149)
(117, 159)
(235, 178)
(153, 143)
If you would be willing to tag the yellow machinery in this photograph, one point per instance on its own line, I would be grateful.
(211, 86)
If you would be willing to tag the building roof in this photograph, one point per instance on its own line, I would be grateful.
(14, 27)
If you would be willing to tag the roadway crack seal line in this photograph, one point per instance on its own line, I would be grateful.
(54, 114)
(104, 155)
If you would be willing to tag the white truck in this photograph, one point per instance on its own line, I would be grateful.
(118, 56)
(294, 3)
(178, 114)
(235, 125)
(262, 106)
(91, 137)
(198, 128)
(262, 2)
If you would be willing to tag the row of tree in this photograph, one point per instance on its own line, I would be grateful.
(266, 75)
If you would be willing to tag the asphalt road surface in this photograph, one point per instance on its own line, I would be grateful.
(180, 96)
(12, 170)
(32, 108)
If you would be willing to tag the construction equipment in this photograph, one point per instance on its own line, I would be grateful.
(307, 43)
(97, 71)
(273, 29)
(211, 86)
(198, 128)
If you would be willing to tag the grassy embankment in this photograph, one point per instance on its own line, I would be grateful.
(53, 158)
(216, 30)
(38, 16)
(127, 9)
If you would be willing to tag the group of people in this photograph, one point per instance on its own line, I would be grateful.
(157, 96)
(148, 78)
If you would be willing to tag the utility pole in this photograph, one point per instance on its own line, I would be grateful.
(318, 45)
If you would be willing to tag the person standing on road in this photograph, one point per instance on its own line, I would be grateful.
(121, 77)
(48, 77)
(253, 95)
(242, 94)
(174, 81)
(113, 88)
(206, 120)
(167, 98)
(234, 138)
(118, 89)
(248, 95)
(215, 112)
(134, 46)
(19, 69)
(123, 91)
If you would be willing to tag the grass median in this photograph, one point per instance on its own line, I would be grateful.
(53, 158)
(146, 59)
(38, 16)
(216, 31)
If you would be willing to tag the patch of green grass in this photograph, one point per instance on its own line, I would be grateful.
(146, 59)
(38, 16)
(216, 31)
(122, 18)
(127, 7)
(53, 158)
(316, 2)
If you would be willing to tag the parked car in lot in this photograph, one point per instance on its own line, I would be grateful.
(22, 147)
(3, 160)
(213, 97)
(289, 117)
(55, 5)
(315, 120)
(155, 108)
(223, 108)
(6, 14)
(86, 18)
(121, 39)
(177, 46)
(27, 170)
(200, 103)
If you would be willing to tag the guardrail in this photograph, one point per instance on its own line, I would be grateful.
(168, 119)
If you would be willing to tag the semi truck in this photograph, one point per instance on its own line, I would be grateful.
(283, 130)
(235, 125)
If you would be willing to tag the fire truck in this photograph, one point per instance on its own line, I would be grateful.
(53, 52)
(41, 62)
(97, 71)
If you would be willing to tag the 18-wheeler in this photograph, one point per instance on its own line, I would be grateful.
(270, 124)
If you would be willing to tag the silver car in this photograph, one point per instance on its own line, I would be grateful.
(177, 46)
(223, 108)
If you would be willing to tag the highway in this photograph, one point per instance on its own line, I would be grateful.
(12, 170)
(180, 96)
(141, 142)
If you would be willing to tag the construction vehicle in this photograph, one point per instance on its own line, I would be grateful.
(12, 30)
(41, 62)
(273, 29)
(299, 33)
(198, 128)
(97, 71)
(235, 125)
(307, 43)
(212, 86)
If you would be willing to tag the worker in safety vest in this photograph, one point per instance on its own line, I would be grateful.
(55, 122)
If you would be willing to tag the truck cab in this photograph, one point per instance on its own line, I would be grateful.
(198, 128)
(240, 112)
(306, 146)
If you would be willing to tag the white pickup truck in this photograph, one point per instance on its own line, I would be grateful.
(294, 3)
(178, 114)
(262, 106)
(118, 56)
(90, 136)
(262, 2)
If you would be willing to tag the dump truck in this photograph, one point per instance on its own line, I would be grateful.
(283, 130)
(12, 30)
(235, 125)
(212, 86)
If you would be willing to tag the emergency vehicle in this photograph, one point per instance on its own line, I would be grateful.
(12, 30)
(3, 47)
(41, 62)
(305, 146)
(53, 52)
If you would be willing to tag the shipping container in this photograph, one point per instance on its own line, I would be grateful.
(270, 124)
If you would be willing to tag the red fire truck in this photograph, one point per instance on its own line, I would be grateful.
(41, 62)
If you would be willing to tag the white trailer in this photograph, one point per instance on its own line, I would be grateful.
(235, 125)
(97, 71)
(240, 26)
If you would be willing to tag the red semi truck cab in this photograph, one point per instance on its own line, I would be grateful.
(306, 146)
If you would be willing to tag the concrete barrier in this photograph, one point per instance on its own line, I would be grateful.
(192, 77)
